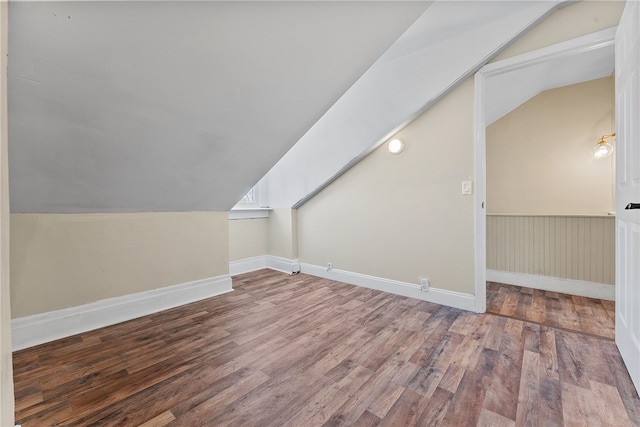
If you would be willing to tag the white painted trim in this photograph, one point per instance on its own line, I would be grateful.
(284, 265)
(245, 213)
(438, 296)
(247, 265)
(40, 328)
(609, 215)
(479, 212)
(565, 49)
(554, 284)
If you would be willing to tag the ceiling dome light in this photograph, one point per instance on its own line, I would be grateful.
(603, 148)
(396, 146)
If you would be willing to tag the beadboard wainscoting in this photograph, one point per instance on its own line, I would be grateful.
(571, 248)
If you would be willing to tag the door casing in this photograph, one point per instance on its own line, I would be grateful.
(598, 40)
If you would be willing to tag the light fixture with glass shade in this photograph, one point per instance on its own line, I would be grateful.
(603, 148)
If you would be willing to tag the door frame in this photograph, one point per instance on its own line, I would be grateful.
(589, 42)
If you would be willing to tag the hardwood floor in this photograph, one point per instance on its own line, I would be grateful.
(587, 315)
(302, 351)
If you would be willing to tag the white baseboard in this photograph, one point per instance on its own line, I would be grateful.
(554, 284)
(283, 264)
(435, 295)
(40, 328)
(247, 265)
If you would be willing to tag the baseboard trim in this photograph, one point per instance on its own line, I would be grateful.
(284, 265)
(41, 328)
(554, 284)
(435, 295)
(247, 265)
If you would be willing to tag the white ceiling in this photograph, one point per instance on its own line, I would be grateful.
(512, 89)
(183, 106)
(175, 106)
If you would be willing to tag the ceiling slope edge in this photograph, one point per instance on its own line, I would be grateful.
(400, 86)
(574, 61)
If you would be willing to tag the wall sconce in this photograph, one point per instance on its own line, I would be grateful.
(603, 148)
(396, 146)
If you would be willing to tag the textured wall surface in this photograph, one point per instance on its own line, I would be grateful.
(568, 247)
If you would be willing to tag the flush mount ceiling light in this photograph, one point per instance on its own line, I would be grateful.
(603, 148)
(396, 146)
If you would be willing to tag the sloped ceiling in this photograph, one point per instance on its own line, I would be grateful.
(448, 43)
(175, 106)
(510, 90)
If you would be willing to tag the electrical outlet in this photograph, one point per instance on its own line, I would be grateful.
(424, 284)
(329, 266)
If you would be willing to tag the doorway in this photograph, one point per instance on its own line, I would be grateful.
(503, 86)
(550, 203)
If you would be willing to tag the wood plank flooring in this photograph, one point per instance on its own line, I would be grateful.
(302, 351)
(587, 315)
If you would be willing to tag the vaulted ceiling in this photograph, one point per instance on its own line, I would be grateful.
(508, 91)
(446, 45)
(183, 106)
(175, 106)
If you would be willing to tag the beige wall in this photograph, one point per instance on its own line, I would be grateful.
(248, 238)
(64, 260)
(276, 235)
(400, 217)
(283, 239)
(539, 158)
(6, 372)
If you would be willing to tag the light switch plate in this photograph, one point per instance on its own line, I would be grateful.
(467, 188)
